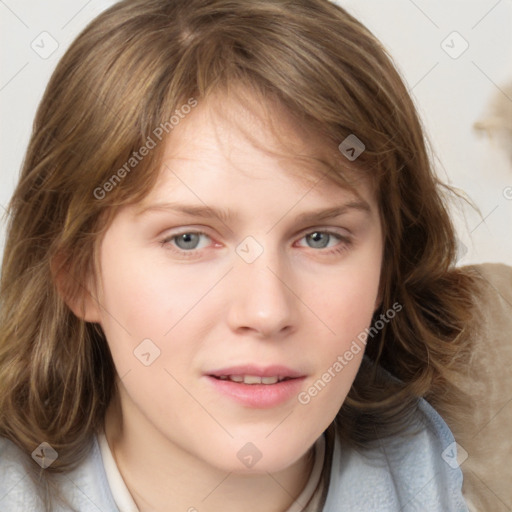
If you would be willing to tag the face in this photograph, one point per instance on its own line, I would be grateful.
(233, 332)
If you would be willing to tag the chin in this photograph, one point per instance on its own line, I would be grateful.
(245, 457)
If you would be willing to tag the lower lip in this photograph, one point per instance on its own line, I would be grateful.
(258, 396)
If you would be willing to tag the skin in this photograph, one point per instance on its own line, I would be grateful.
(174, 437)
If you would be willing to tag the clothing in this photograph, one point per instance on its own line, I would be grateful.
(418, 474)
(405, 473)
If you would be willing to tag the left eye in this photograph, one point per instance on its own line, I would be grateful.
(321, 239)
(186, 241)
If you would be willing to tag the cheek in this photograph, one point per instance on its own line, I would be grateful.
(340, 350)
(346, 305)
(347, 302)
(147, 298)
(152, 300)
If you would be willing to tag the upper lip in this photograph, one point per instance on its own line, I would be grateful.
(257, 371)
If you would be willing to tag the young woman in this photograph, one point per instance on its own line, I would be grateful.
(229, 282)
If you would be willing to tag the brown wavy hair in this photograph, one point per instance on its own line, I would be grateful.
(127, 73)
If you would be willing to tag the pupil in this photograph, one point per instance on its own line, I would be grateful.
(188, 239)
(317, 239)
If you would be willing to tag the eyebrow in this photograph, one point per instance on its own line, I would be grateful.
(225, 215)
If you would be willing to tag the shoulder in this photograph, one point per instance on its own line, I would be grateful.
(415, 471)
(85, 487)
(17, 490)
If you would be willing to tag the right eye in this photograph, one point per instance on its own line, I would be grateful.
(185, 242)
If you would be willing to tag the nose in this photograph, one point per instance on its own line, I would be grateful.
(262, 300)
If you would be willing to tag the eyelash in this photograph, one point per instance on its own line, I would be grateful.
(338, 249)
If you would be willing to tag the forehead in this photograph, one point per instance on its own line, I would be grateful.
(257, 136)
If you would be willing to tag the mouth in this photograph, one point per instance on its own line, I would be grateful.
(252, 379)
(257, 387)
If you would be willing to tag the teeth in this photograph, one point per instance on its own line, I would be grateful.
(251, 379)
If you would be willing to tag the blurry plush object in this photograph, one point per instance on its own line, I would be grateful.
(498, 123)
(484, 429)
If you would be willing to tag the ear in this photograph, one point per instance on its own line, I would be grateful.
(80, 298)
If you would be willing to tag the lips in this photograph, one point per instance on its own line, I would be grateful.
(257, 387)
